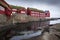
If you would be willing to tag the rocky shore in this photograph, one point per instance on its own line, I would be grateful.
(53, 34)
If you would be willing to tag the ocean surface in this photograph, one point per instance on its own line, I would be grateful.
(55, 21)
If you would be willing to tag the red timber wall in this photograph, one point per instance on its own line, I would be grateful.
(22, 11)
(42, 15)
(14, 10)
(47, 14)
(2, 12)
(8, 12)
(32, 13)
(38, 14)
(35, 13)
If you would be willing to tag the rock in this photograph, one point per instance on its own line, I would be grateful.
(20, 18)
(3, 19)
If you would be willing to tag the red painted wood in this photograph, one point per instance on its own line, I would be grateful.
(22, 11)
(42, 15)
(2, 12)
(47, 14)
(8, 12)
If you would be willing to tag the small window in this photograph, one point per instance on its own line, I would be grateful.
(46, 14)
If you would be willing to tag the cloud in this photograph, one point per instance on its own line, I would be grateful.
(50, 2)
(53, 2)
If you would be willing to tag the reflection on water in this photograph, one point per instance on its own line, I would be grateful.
(55, 21)
(33, 26)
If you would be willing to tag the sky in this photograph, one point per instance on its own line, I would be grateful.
(52, 5)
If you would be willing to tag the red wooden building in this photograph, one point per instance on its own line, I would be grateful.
(36, 13)
(7, 8)
(22, 11)
(18, 9)
(47, 14)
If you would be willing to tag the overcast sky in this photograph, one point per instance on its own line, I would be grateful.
(52, 5)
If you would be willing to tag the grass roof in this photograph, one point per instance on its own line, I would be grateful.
(34, 9)
(16, 7)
